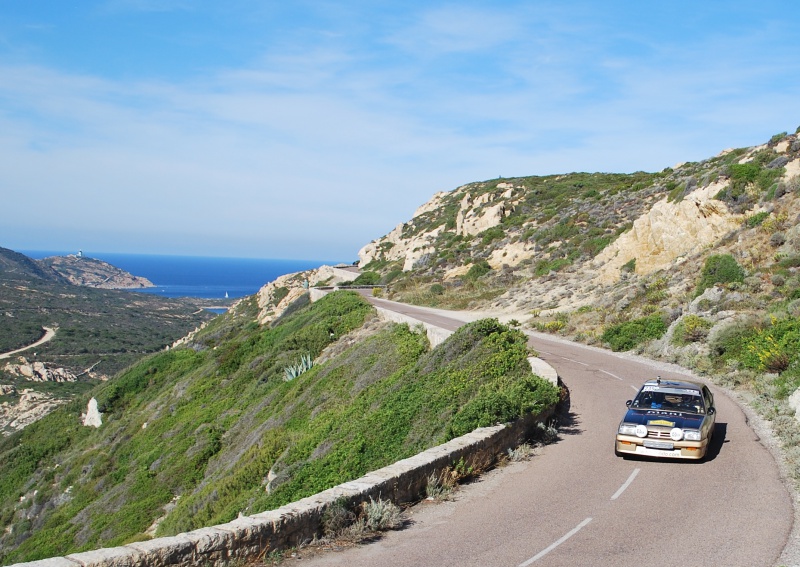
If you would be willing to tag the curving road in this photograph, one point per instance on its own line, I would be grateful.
(49, 333)
(577, 504)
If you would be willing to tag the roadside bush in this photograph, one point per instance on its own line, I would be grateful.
(771, 349)
(336, 518)
(478, 269)
(726, 339)
(367, 278)
(437, 289)
(690, 329)
(719, 268)
(504, 402)
(630, 334)
(381, 515)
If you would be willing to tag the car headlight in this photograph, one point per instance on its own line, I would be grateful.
(641, 430)
(692, 435)
(676, 434)
(627, 429)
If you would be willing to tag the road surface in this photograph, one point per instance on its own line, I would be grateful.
(578, 504)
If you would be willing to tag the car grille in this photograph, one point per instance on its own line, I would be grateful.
(658, 433)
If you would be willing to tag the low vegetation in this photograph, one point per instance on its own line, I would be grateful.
(108, 326)
(195, 436)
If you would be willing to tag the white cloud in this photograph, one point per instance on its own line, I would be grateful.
(338, 134)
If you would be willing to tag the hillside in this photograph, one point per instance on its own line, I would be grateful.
(196, 435)
(697, 264)
(98, 333)
(16, 266)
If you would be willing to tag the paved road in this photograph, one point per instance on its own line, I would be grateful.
(48, 334)
(578, 504)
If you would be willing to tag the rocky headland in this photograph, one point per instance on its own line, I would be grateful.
(90, 272)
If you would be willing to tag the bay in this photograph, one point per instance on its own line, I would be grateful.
(197, 276)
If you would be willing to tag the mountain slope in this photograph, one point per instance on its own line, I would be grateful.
(196, 435)
(16, 266)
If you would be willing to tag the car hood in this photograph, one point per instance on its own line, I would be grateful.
(664, 418)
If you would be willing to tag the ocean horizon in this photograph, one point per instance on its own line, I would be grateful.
(206, 277)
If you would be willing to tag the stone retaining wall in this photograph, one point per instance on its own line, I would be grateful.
(436, 335)
(251, 537)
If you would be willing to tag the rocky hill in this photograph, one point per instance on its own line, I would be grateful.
(74, 269)
(697, 264)
(90, 272)
(16, 266)
(563, 241)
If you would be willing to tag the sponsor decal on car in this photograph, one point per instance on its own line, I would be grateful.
(663, 422)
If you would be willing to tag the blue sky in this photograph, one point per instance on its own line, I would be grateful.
(306, 129)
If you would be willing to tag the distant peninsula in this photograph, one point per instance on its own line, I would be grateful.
(78, 269)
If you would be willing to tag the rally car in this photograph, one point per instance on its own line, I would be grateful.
(668, 418)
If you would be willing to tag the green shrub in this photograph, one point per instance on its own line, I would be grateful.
(629, 266)
(628, 335)
(437, 289)
(777, 138)
(719, 268)
(367, 278)
(745, 172)
(478, 269)
(773, 348)
(690, 329)
(754, 220)
(337, 517)
(502, 403)
(279, 294)
(491, 234)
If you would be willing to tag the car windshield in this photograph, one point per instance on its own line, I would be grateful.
(674, 399)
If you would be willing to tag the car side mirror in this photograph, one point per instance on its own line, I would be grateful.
(628, 403)
(711, 411)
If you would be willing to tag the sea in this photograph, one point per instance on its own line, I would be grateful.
(197, 276)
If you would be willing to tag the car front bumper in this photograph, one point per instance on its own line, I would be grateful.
(632, 445)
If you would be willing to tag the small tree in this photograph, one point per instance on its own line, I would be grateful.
(719, 268)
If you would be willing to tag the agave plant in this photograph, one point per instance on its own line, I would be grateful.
(293, 371)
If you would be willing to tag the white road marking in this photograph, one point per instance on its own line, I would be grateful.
(565, 358)
(610, 374)
(626, 484)
(544, 552)
(634, 387)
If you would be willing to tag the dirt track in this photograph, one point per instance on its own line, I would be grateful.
(49, 333)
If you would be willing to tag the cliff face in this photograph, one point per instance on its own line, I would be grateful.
(558, 242)
(669, 231)
(475, 213)
(90, 272)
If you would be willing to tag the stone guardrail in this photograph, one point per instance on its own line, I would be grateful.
(252, 537)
